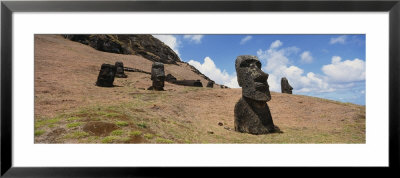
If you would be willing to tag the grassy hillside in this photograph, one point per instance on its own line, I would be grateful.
(69, 108)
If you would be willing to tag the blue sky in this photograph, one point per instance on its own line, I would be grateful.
(326, 66)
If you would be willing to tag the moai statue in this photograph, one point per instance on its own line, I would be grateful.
(210, 84)
(170, 78)
(120, 70)
(285, 86)
(157, 76)
(252, 114)
(106, 75)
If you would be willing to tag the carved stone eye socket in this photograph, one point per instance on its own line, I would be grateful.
(248, 63)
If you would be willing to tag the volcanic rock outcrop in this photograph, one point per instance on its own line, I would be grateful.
(106, 75)
(252, 114)
(145, 45)
(285, 86)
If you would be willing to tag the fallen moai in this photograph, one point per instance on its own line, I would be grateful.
(285, 86)
(120, 70)
(252, 114)
(193, 83)
(157, 76)
(106, 75)
(170, 78)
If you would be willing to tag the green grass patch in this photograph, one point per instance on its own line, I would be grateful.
(117, 132)
(72, 125)
(47, 122)
(39, 132)
(163, 140)
(135, 133)
(71, 119)
(142, 125)
(77, 135)
(148, 136)
(122, 123)
(109, 139)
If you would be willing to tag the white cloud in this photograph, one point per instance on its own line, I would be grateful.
(245, 39)
(171, 41)
(306, 57)
(278, 66)
(209, 69)
(193, 38)
(339, 39)
(276, 44)
(345, 71)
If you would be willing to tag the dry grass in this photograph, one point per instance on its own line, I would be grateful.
(66, 99)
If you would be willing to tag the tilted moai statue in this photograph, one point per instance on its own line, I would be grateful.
(210, 84)
(252, 114)
(157, 76)
(285, 86)
(120, 70)
(106, 75)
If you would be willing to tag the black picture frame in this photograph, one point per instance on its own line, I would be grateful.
(8, 7)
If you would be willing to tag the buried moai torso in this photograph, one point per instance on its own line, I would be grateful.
(120, 70)
(210, 84)
(106, 75)
(157, 76)
(285, 86)
(252, 114)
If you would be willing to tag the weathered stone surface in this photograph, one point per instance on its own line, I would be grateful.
(285, 86)
(193, 83)
(145, 45)
(120, 70)
(106, 75)
(170, 78)
(210, 84)
(252, 114)
(157, 76)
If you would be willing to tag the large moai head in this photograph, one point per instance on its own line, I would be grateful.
(120, 70)
(285, 86)
(252, 79)
(158, 75)
(106, 75)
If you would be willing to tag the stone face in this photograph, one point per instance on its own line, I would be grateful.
(210, 84)
(120, 70)
(106, 75)
(252, 114)
(285, 86)
(157, 76)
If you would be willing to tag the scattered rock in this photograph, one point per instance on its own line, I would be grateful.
(210, 132)
(252, 114)
(285, 86)
(220, 124)
(227, 128)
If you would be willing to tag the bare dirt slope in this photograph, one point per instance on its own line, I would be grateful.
(69, 108)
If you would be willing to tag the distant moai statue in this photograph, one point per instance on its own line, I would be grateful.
(106, 75)
(285, 86)
(252, 114)
(170, 78)
(157, 76)
(120, 70)
(210, 84)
